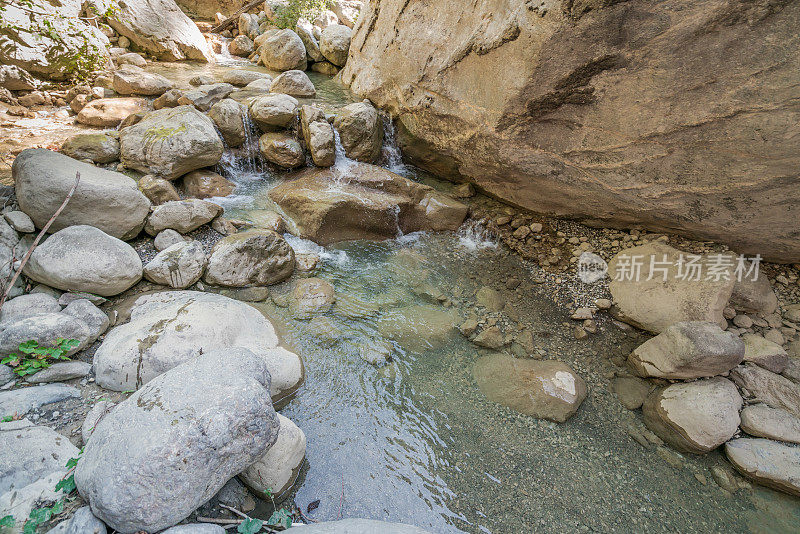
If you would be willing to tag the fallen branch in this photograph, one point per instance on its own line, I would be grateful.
(235, 17)
(38, 239)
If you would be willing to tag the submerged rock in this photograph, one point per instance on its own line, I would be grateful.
(174, 444)
(276, 471)
(372, 203)
(311, 296)
(545, 389)
(767, 462)
(417, 328)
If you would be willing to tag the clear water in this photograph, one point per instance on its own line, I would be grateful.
(416, 441)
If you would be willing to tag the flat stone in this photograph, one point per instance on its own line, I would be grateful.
(30, 453)
(768, 387)
(61, 371)
(20, 222)
(767, 462)
(773, 423)
(22, 401)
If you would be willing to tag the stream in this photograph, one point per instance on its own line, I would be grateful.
(415, 440)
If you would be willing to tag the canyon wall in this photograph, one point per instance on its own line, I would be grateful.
(674, 115)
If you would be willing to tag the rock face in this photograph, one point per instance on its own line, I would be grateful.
(668, 297)
(173, 444)
(284, 50)
(770, 388)
(277, 470)
(160, 28)
(252, 258)
(110, 112)
(169, 328)
(171, 142)
(361, 131)
(688, 350)
(545, 389)
(373, 204)
(573, 126)
(104, 199)
(766, 462)
(773, 423)
(83, 258)
(694, 417)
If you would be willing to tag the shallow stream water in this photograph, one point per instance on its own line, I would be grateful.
(416, 441)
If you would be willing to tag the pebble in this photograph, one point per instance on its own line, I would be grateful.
(743, 321)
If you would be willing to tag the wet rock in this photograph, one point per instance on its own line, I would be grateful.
(98, 147)
(269, 220)
(30, 453)
(169, 143)
(158, 190)
(694, 417)
(632, 391)
(765, 353)
(110, 112)
(60, 372)
(241, 78)
(206, 184)
(273, 111)
(228, 115)
(773, 423)
(104, 199)
(98, 411)
(545, 389)
(766, 462)
(84, 258)
(657, 303)
(84, 310)
(131, 80)
(688, 350)
(182, 216)
(311, 296)
(178, 266)
(361, 131)
(767, 387)
(334, 43)
(174, 444)
(418, 328)
(318, 136)
(241, 46)
(28, 305)
(283, 50)
(205, 96)
(167, 238)
(376, 353)
(170, 99)
(252, 258)
(373, 204)
(177, 326)
(325, 331)
(22, 401)
(294, 83)
(276, 471)
(282, 149)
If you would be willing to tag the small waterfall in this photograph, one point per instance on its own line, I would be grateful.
(391, 156)
(343, 164)
(244, 160)
(474, 235)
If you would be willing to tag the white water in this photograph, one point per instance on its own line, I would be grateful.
(473, 235)
(391, 155)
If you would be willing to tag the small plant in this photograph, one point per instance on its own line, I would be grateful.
(32, 358)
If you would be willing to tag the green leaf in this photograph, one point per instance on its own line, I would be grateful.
(40, 515)
(250, 526)
(28, 346)
(280, 518)
(67, 485)
(7, 419)
(7, 521)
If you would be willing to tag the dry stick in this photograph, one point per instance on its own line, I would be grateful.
(235, 17)
(39, 238)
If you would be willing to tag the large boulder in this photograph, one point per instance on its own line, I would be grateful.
(160, 28)
(370, 203)
(110, 112)
(767, 462)
(171, 142)
(334, 43)
(276, 471)
(347, 11)
(669, 292)
(694, 417)
(254, 258)
(182, 216)
(770, 388)
(283, 50)
(228, 115)
(688, 350)
(131, 80)
(173, 444)
(273, 111)
(104, 199)
(361, 131)
(545, 389)
(573, 123)
(176, 327)
(83, 258)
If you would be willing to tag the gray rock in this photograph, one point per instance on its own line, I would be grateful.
(768, 387)
(273, 111)
(84, 258)
(228, 115)
(294, 83)
(252, 258)
(167, 238)
(765, 353)
(241, 78)
(180, 325)
(196, 528)
(174, 444)
(107, 200)
(773, 423)
(766, 462)
(694, 417)
(27, 306)
(361, 131)
(178, 266)
(688, 350)
(241, 45)
(283, 50)
(61, 371)
(98, 411)
(46, 329)
(318, 135)
(84, 522)
(169, 143)
(282, 149)
(754, 296)
(95, 319)
(22, 401)
(334, 43)
(6, 375)
(30, 453)
(206, 96)
(182, 216)
(361, 526)
(20, 222)
(276, 471)
(131, 80)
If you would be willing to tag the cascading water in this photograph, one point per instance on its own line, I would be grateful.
(391, 157)
(245, 160)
